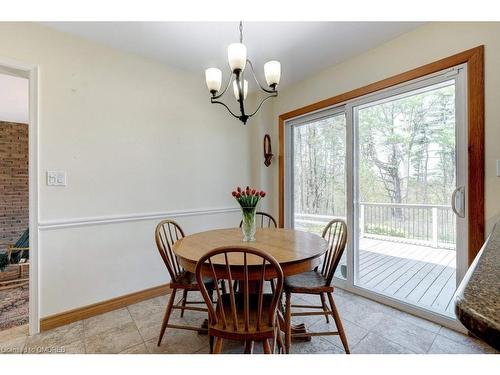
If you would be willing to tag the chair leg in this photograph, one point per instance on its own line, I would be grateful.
(167, 315)
(218, 345)
(248, 347)
(325, 308)
(338, 323)
(288, 322)
(211, 341)
(281, 348)
(266, 347)
(184, 300)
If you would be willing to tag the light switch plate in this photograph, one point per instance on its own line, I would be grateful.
(498, 168)
(56, 178)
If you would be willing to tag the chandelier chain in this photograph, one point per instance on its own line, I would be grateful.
(241, 31)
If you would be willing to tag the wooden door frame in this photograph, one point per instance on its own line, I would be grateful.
(474, 58)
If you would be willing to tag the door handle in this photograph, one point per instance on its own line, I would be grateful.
(458, 192)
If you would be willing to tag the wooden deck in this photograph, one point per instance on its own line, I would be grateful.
(419, 275)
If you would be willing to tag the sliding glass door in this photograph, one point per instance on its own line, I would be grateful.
(406, 175)
(318, 170)
(393, 165)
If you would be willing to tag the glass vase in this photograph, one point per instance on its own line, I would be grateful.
(248, 223)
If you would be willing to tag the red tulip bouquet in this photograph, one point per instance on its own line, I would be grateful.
(248, 200)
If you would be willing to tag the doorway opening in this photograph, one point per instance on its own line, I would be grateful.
(22, 251)
(14, 201)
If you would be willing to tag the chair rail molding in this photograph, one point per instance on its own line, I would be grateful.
(116, 219)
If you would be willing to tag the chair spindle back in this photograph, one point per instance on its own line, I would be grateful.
(335, 233)
(233, 322)
(166, 234)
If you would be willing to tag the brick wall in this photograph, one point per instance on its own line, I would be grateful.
(14, 212)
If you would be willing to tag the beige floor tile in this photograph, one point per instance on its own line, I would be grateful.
(361, 314)
(148, 316)
(114, 340)
(318, 345)
(443, 345)
(466, 340)
(56, 337)
(370, 328)
(14, 333)
(13, 345)
(104, 322)
(375, 306)
(142, 310)
(375, 344)
(137, 349)
(77, 347)
(415, 320)
(353, 332)
(150, 327)
(406, 334)
(178, 341)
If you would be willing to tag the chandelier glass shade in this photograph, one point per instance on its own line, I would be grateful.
(238, 62)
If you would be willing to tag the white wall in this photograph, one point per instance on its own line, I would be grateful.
(425, 44)
(134, 137)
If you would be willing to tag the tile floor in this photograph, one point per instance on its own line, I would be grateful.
(370, 327)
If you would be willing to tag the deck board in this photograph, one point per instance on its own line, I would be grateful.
(416, 274)
(439, 283)
(380, 267)
(391, 273)
(425, 284)
(408, 264)
(444, 298)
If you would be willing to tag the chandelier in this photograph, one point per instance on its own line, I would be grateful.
(237, 57)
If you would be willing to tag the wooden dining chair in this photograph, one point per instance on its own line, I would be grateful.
(263, 220)
(318, 282)
(166, 234)
(250, 315)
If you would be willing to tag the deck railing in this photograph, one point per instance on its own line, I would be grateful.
(424, 224)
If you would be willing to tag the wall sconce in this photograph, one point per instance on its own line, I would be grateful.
(268, 154)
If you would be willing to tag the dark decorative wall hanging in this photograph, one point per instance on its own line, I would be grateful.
(268, 154)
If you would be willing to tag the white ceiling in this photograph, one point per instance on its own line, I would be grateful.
(14, 99)
(303, 48)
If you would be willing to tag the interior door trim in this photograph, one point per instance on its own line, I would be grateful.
(474, 58)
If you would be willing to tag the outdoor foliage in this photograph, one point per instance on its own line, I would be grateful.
(406, 156)
(407, 148)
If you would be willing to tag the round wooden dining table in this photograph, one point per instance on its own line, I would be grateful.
(295, 251)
